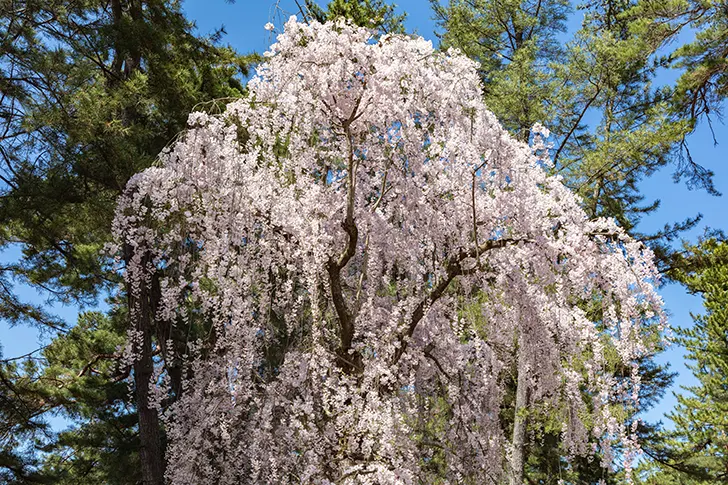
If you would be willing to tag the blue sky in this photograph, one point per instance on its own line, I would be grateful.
(244, 23)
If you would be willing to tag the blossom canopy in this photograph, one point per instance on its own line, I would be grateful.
(350, 261)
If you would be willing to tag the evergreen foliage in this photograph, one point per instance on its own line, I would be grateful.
(91, 93)
(694, 452)
(595, 92)
(372, 14)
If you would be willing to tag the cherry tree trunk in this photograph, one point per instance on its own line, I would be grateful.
(149, 436)
(151, 454)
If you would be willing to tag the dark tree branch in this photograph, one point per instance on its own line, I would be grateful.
(334, 267)
(453, 269)
(575, 125)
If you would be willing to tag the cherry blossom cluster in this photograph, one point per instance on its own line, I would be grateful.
(352, 257)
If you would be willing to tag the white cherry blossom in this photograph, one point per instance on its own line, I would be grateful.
(355, 255)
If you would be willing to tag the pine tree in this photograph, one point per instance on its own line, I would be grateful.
(515, 42)
(23, 428)
(695, 451)
(702, 87)
(92, 92)
(610, 126)
(373, 14)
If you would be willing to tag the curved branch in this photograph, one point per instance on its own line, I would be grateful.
(452, 270)
(334, 267)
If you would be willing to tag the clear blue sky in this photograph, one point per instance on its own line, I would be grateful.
(244, 23)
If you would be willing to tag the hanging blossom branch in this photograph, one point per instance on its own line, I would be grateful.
(453, 269)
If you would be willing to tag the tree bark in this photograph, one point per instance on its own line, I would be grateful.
(519, 421)
(141, 311)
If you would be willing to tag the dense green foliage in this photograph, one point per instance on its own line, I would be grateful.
(93, 92)
(77, 377)
(373, 14)
(694, 452)
(703, 84)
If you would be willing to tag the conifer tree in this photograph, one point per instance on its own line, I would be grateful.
(611, 126)
(91, 93)
(694, 452)
(702, 87)
(373, 14)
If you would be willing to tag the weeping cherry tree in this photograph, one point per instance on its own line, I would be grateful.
(352, 262)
